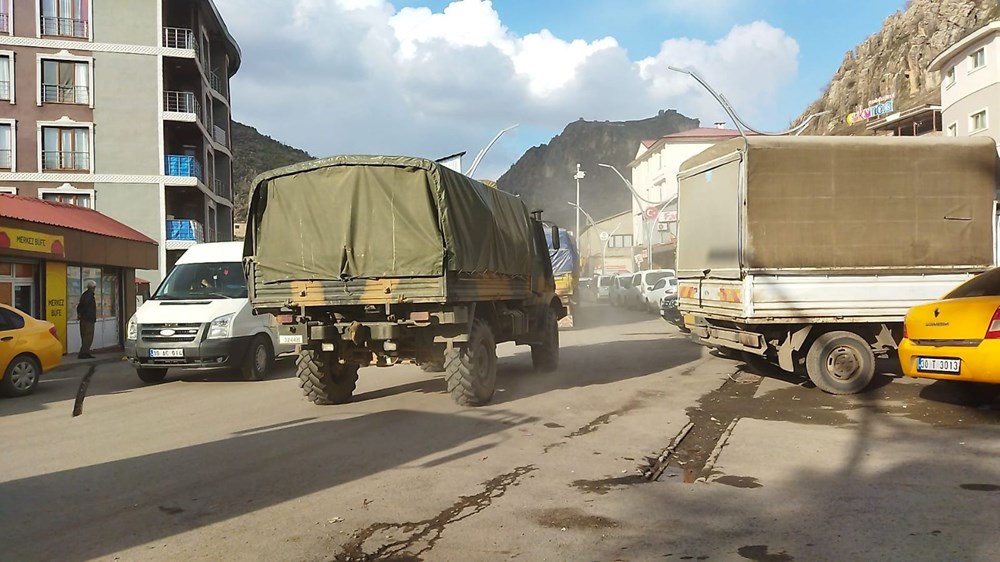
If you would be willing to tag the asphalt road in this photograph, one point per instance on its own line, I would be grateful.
(207, 467)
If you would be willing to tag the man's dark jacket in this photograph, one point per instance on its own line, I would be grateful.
(87, 309)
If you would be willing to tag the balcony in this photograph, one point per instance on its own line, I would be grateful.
(179, 38)
(5, 90)
(65, 27)
(183, 233)
(179, 165)
(219, 135)
(5, 158)
(55, 93)
(60, 160)
(181, 102)
(4, 23)
(221, 188)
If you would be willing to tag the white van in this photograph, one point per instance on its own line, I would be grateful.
(200, 318)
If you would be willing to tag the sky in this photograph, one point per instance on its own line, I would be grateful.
(432, 78)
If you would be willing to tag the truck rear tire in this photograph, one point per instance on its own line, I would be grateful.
(471, 371)
(323, 382)
(545, 356)
(840, 363)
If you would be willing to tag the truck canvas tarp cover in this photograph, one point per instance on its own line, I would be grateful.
(845, 203)
(565, 259)
(350, 217)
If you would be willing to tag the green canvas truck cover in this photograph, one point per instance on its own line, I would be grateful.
(846, 203)
(349, 217)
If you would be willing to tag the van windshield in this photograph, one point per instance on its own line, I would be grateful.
(604, 282)
(204, 281)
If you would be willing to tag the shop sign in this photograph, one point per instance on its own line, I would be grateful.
(878, 107)
(30, 241)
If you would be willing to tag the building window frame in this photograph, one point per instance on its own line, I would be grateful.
(63, 56)
(65, 123)
(986, 121)
(90, 23)
(13, 142)
(977, 59)
(9, 4)
(949, 77)
(6, 190)
(69, 189)
(952, 130)
(10, 72)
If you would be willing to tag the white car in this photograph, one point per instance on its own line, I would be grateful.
(642, 283)
(662, 288)
(619, 289)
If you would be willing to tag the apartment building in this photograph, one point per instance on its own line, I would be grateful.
(121, 106)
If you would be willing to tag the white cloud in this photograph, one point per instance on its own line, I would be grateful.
(357, 76)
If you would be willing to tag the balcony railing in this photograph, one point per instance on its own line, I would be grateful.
(183, 166)
(5, 158)
(179, 38)
(181, 102)
(215, 81)
(55, 93)
(186, 230)
(4, 23)
(65, 27)
(219, 135)
(63, 160)
(221, 188)
(5, 90)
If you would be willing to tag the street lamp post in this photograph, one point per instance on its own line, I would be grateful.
(659, 205)
(579, 175)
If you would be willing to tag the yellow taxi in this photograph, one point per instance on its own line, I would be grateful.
(957, 337)
(28, 348)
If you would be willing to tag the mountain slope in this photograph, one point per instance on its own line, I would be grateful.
(254, 153)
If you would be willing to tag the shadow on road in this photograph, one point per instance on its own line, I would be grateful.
(93, 511)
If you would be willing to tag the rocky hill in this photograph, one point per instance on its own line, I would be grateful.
(543, 176)
(254, 153)
(894, 61)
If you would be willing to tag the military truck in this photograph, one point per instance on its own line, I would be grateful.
(565, 269)
(390, 259)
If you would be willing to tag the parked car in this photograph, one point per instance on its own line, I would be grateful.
(669, 312)
(28, 348)
(619, 289)
(602, 287)
(660, 290)
(642, 282)
(958, 337)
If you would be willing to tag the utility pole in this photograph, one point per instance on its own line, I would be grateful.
(579, 175)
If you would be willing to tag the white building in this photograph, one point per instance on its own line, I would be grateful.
(654, 177)
(970, 84)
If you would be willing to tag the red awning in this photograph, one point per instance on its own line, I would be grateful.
(63, 215)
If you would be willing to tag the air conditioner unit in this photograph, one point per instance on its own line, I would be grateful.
(662, 227)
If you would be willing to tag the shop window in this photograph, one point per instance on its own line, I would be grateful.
(106, 293)
(6, 269)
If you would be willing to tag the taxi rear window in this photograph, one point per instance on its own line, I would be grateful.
(985, 284)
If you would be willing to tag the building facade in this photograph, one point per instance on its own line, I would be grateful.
(654, 177)
(121, 106)
(970, 84)
(606, 246)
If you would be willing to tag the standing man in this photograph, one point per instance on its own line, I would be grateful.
(86, 311)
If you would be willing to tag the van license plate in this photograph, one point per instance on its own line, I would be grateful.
(161, 353)
(935, 365)
(297, 338)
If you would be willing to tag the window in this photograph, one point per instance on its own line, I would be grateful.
(6, 76)
(949, 77)
(6, 146)
(8, 190)
(66, 18)
(78, 199)
(953, 130)
(977, 59)
(977, 121)
(66, 148)
(6, 22)
(65, 81)
(10, 320)
(620, 241)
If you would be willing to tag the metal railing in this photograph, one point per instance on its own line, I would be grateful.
(181, 102)
(65, 27)
(63, 160)
(219, 135)
(5, 90)
(179, 38)
(5, 158)
(55, 93)
(215, 82)
(4, 23)
(181, 165)
(221, 188)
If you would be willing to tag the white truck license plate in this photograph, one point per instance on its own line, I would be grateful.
(160, 353)
(935, 365)
(297, 338)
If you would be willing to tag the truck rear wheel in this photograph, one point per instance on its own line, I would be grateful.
(545, 356)
(325, 382)
(840, 363)
(471, 371)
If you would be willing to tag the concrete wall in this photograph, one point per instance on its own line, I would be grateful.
(138, 206)
(128, 22)
(958, 112)
(126, 109)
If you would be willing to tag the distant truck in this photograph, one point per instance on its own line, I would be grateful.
(384, 259)
(807, 252)
(566, 269)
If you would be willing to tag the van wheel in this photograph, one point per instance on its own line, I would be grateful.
(471, 371)
(151, 375)
(21, 376)
(325, 382)
(545, 356)
(840, 363)
(258, 360)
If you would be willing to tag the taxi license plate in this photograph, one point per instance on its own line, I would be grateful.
(297, 338)
(935, 365)
(161, 353)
